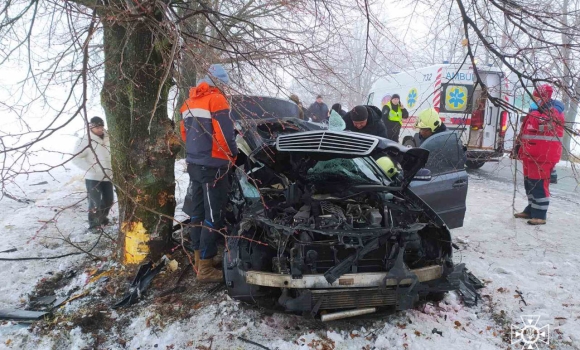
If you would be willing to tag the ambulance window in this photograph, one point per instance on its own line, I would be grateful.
(445, 153)
(457, 98)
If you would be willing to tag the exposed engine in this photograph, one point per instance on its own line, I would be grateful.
(331, 232)
(321, 215)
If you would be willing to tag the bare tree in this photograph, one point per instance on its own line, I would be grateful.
(134, 52)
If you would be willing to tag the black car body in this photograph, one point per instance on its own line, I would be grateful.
(315, 224)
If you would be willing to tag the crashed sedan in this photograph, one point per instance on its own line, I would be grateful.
(316, 224)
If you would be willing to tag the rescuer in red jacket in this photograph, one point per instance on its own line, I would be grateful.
(540, 148)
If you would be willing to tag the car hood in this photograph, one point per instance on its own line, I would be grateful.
(271, 141)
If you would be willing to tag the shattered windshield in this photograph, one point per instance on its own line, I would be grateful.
(344, 171)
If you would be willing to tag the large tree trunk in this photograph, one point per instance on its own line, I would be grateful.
(143, 142)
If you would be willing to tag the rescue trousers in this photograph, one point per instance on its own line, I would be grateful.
(209, 193)
(100, 201)
(537, 185)
(393, 130)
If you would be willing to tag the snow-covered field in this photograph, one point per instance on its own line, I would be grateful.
(541, 263)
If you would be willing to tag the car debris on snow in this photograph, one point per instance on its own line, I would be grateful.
(141, 282)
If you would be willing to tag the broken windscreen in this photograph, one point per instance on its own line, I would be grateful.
(343, 172)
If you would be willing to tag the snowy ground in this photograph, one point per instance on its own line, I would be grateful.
(540, 262)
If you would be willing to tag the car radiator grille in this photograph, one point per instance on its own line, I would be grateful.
(328, 142)
(357, 298)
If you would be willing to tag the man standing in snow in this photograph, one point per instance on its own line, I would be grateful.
(318, 111)
(93, 156)
(211, 150)
(539, 147)
(559, 105)
(393, 115)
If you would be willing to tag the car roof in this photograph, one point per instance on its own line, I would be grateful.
(245, 107)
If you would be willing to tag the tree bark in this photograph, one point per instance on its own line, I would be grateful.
(143, 142)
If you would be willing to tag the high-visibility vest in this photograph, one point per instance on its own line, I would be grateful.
(395, 116)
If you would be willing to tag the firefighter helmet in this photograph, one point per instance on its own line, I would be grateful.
(388, 166)
(428, 119)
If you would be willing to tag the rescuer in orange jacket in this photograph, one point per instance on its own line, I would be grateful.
(209, 135)
(540, 148)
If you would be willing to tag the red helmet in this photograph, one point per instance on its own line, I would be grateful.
(544, 92)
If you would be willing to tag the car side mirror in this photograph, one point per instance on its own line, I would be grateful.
(423, 175)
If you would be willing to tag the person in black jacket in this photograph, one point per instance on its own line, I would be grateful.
(318, 111)
(366, 120)
(338, 108)
(393, 115)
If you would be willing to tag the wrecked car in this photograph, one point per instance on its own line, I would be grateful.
(315, 224)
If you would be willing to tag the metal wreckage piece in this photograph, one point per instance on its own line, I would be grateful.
(140, 283)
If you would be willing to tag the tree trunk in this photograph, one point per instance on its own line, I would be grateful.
(143, 142)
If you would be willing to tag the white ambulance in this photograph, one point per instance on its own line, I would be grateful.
(462, 104)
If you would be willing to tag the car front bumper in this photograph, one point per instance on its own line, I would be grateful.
(353, 280)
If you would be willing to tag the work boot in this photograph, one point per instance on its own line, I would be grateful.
(218, 260)
(536, 222)
(522, 215)
(196, 259)
(207, 273)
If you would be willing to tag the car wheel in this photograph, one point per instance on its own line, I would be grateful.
(474, 164)
(410, 143)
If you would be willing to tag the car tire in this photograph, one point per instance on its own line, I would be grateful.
(474, 164)
(409, 143)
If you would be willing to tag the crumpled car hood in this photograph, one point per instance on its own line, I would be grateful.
(270, 140)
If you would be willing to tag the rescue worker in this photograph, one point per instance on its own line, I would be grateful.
(318, 111)
(559, 105)
(211, 150)
(539, 148)
(294, 98)
(366, 120)
(95, 161)
(393, 115)
(429, 123)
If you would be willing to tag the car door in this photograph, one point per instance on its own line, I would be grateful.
(446, 193)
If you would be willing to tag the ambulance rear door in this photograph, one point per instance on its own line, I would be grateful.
(491, 125)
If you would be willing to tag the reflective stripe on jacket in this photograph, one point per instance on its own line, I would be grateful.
(540, 138)
(207, 129)
(395, 116)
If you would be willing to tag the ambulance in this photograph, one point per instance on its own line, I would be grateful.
(486, 131)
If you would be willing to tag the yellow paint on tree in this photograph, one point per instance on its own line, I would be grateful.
(136, 242)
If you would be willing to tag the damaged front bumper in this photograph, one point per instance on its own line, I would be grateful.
(353, 280)
(399, 289)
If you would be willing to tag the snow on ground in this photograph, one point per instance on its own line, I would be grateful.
(510, 256)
